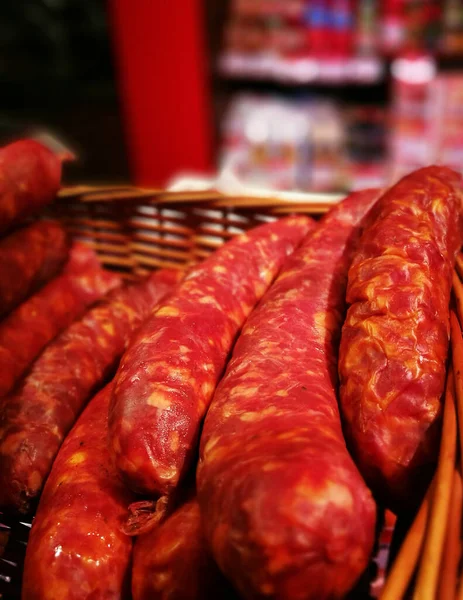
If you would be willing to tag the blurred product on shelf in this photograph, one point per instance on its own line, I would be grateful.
(302, 41)
(366, 146)
(334, 41)
(269, 141)
(426, 105)
(306, 144)
(316, 144)
(448, 106)
(452, 23)
(327, 158)
(365, 27)
(413, 140)
(410, 24)
(392, 32)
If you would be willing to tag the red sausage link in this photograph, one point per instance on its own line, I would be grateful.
(29, 258)
(168, 375)
(394, 344)
(284, 508)
(172, 562)
(76, 549)
(38, 415)
(27, 330)
(30, 177)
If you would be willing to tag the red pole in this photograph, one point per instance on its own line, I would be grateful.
(161, 65)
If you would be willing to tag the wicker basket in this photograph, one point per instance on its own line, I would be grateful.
(136, 230)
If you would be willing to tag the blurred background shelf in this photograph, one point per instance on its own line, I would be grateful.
(301, 71)
(315, 95)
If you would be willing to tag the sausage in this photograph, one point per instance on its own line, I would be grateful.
(173, 562)
(285, 510)
(168, 375)
(30, 177)
(27, 330)
(29, 258)
(393, 352)
(37, 416)
(76, 548)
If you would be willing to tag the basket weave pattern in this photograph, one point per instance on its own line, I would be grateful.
(134, 230)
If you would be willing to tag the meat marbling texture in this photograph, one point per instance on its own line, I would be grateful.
(395, 339)
(36, 417)
(284, 508)
(76, 548)
(168, 375)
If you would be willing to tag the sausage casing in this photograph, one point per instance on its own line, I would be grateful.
(37, 416)
(168, 375)
(30, 177)
(392, 361)
(76, 548)
(173, 562)
(27, 330)
(284, 508)
(29, 258)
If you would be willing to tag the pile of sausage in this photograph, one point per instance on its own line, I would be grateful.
(228, 432)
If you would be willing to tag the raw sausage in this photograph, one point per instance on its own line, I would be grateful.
(172, 562)
(285, 511)
(26, 331)
(29, 258)
(394, 345)
(168, 375)
(30, 177)
(37, 416)
(76, 549)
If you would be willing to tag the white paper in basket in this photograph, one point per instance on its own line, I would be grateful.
(227, 183)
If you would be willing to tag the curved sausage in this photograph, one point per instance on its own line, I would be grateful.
(30, 177)
(27, 330)
(173, 562)
(285, 510)
(29, 258)
(37, 416)
(76, 549)
(168, 375)
(394, 344)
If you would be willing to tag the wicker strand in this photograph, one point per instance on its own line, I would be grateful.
(457, 359)
(459, 264)
(428, 572)
(458, 294)
(452, 547)
(405, 564)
